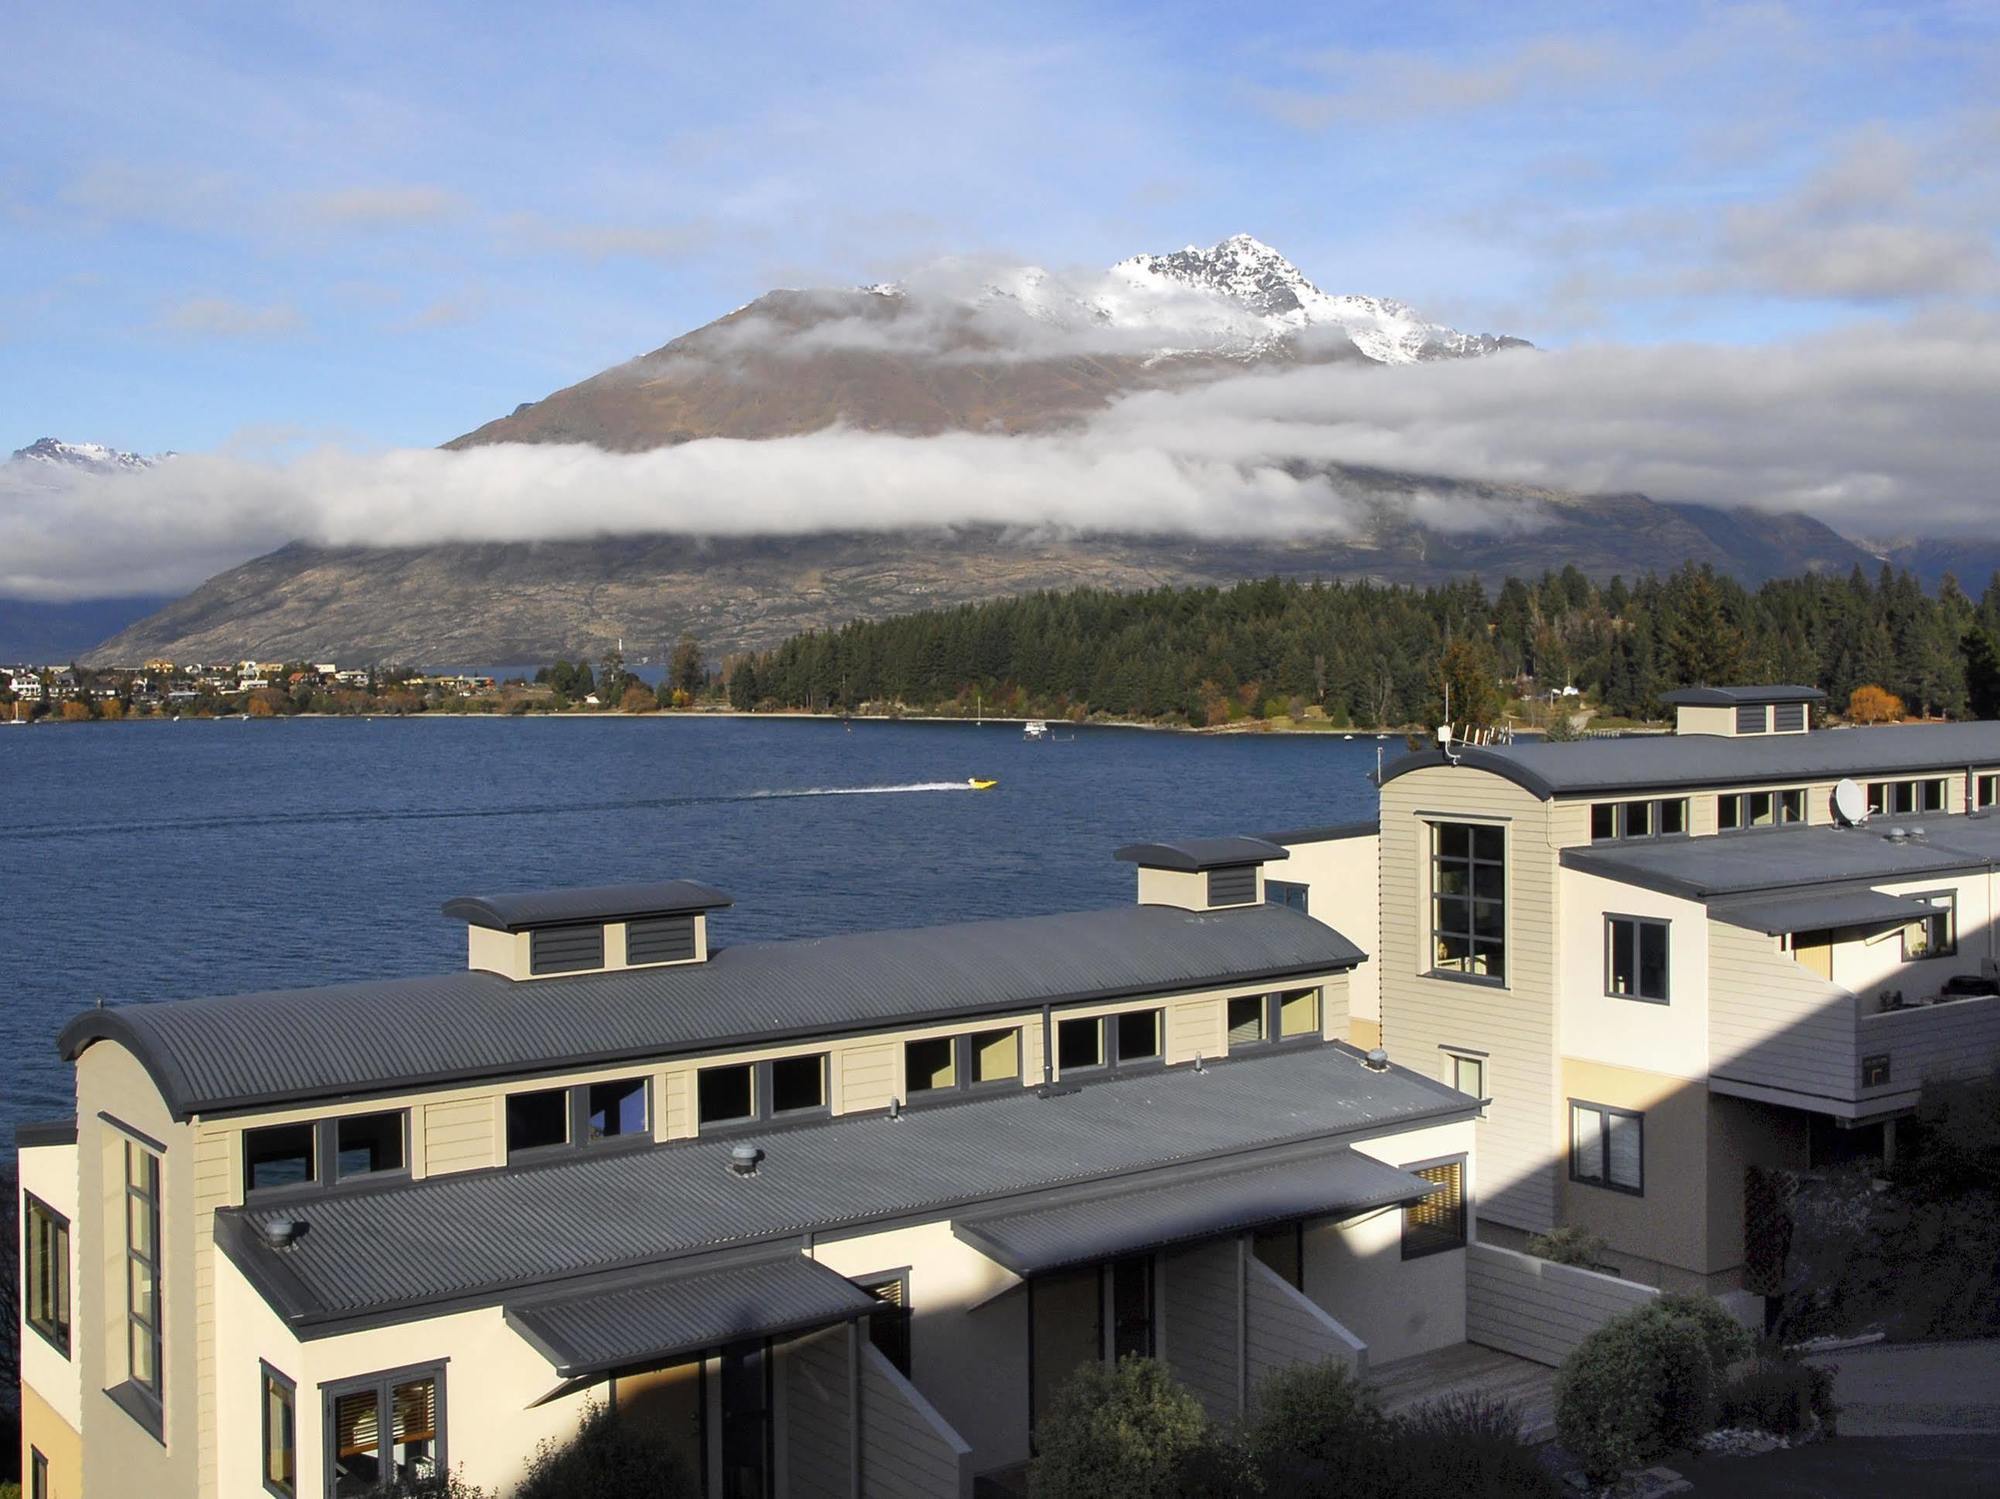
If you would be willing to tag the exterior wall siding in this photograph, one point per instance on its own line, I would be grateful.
(1536, 1309)
(49, 1171)
(1285, 1328)
(44, 1429)
(461, 1135)
(818, 1461)
(1342, 877)
(1775, 1024)
(908, 1450)
(1199, 1302)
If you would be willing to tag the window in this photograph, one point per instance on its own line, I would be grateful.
(1606, 1147)
(368, 1144)
(1469, 901)
(1759, 809)
(280, 1156)
(1875, 1071)
(384, 1430)
(1890, 798)
(1246, 1020)
(1298, 1014)
(889, 1327)
(1635, 958)
(45, 1276)
(1437, 1222)
(1079, 1044)
(1986, 791)
(1467, 1074)
(1647, 819)
(1286, 893)
(537, 1121)
(1933, 936)
(798, 1083)
(281, 1425)
(142, 1269)
(1235, 885)
(1139, 1038)
(38, 1474)
(930, 1064)
(615, 1109)
(724, 1095)
(996, 1056)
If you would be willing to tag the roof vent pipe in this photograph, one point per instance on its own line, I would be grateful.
(1377, 1060)
(744, 1159)
(281, 1233)
(1897, 835)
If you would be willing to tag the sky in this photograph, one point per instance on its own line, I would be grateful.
(317, 240)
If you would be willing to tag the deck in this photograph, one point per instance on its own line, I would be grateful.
(1468, 1369)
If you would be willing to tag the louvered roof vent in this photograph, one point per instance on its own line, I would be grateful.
(546, 933)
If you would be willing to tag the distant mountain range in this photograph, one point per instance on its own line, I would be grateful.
(1016, 350)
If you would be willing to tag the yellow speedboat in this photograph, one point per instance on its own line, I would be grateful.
(978, 785)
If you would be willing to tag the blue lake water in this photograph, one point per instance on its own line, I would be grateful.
(150, 860)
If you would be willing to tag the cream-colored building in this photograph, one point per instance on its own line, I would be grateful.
(837, 1216)
(1663, 959)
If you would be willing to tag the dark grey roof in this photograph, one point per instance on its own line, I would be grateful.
(1331, 833)
(657, 1318)
(1647, 762)
(472, 1238)
(1192, 854)
(254, 1050)
(35, 1132)
(1784, 859)
(520, 909)
(1729, 697)
(1327, 1183)
(1811, 913)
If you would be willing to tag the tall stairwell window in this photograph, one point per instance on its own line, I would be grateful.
(142, 1271)
(1469, 901)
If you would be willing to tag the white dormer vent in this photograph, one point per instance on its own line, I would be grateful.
(536, 934)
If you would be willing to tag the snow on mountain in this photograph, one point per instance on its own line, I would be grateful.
(93, 456)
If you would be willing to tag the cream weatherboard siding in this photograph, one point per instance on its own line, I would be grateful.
(1513, 1024)
(1774, 1023)
(1932, 1044)
(461, 1135)
(908, 1450)
(1199, 1299)
(1536, 1309)
(868, 1077)
(819, 1461)
(1286, 1328)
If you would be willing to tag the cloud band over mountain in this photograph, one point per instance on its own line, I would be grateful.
(1881, 430)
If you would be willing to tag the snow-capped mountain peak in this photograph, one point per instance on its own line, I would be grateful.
(84, 455)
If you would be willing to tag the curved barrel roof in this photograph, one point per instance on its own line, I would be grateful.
(256, 1050)
(517, 910)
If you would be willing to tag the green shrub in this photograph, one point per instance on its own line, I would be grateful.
(1956, 1144)
(1317, 1431)
(1645, 1383)
(1782, 1394)
(1128, 1432)
(608, 1459)
(1468, 1447)
(10, 1491)
(1567, 1244)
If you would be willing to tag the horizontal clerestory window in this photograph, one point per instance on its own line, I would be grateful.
(988, 1058)
(1891, 798)
(320, 1152)
(1656, 818)
(1986, 791)
(1760, 809)
(749, 1092)
(1130, 1039)
(614, 1111)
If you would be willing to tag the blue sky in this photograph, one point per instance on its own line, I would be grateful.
(243, 227)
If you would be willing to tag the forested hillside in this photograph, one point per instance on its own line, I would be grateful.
(1379, 655)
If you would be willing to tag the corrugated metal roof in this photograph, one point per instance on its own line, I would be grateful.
(518, 910)
(1195, 854)
(481, 1236)
(1332, 1183)
(1798, 857)
(254, 1050)
(1811, 913)
(664, 1316)
(1729, 697)
(1671, 761)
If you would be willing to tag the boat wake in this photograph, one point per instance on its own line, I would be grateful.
(862, 790)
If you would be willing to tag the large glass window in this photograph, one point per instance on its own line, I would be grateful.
(45, 1275)
(1635, 958)
(798, 1083)
(930, 1064)
(1469, 900)
(537, 1121)
(385, 1430)
(1607, 1147)
(1934, 936)
(280, 1156)
(367, 1144)
(281, 1455)
(1437, 1222)
(142, 1269)
(724, 1094)
(616, 1109)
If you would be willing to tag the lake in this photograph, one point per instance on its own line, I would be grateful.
(158, 860)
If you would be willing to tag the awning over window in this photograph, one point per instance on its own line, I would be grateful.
(1335, 1183)
(652, 1320)
(1813, 913)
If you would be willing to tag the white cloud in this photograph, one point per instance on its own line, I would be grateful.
(225, 317)
(381, 207)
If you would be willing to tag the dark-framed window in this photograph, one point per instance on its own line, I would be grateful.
(370, 1144)
(889, 1326)
(1247, 1020)
(612, 1112)
(277, 1156)
(45, 1291)
(1466, 1072)
(38, 1474)
(1140, 1035)
(320, 1152)
(1889, 798)
(1079, 1044)
(930, 1065)
(798, 1084)
(145, 1345)
(725, 1095)
(1760, 808)
(279, 1463)
(1986, 791)
(935, 1065)
(384, 1429)
(996, 1057)
(1469, 901)
(1607, 1147)
(1288, 893)
(1436, 1223)
(1933, 936)
(1636, 958)
(1875, 1071)
(1295, 1014)
(1641, 819)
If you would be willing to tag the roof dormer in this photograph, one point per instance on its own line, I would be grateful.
(1202, 874)
(1741, 712)
(532, 934)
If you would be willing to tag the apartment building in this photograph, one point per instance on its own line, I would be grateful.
(837, 1216)
(1665, 958)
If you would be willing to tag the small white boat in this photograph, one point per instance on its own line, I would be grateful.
(1035, 728)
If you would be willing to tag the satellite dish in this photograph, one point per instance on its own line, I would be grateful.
(1849, 805)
